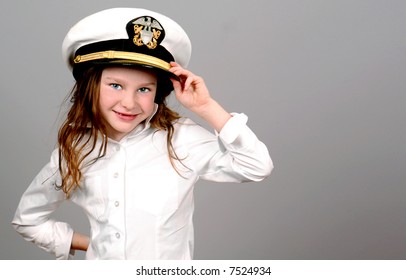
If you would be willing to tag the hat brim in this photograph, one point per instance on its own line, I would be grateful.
(123, 58)
(80, 68)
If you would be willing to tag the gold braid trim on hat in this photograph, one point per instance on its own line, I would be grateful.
(125, 57)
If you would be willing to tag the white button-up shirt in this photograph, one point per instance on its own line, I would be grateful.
(138, 206)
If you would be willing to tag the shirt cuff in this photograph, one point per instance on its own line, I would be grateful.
(236, 135)
(232, 129)
(63, 241)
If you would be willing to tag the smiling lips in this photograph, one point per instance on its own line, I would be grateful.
(126, 117)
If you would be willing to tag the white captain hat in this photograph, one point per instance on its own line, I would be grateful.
(126, 36)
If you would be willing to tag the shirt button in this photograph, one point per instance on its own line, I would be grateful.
(116, 203)
(118, 235)
(115, 175)
(117, 148)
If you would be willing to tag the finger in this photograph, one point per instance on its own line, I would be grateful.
(189, 81)
(173, 63)
(178, 72)
(181, 72)
(174, 67)
(177, 87)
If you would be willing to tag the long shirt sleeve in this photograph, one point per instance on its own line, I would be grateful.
(234, 155)
(32, 218)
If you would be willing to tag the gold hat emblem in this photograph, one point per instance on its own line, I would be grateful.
(147, 31)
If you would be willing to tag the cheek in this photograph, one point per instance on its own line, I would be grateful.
(106, 100)
(149, 104)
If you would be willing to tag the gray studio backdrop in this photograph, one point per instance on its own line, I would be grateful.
(323, 84)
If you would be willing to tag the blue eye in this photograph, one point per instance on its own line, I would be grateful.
(116, 86)
(144, 90)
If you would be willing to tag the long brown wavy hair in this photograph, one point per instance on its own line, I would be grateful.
(84, 126)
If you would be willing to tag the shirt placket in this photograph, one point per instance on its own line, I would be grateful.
(117, 201)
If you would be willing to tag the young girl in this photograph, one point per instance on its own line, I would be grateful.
(123, 156)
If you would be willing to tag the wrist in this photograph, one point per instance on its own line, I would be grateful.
(204, 108)
(213, 113)
(80, 242)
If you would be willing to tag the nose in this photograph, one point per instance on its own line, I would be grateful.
(129, 101)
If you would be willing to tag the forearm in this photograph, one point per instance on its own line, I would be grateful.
(79, 242)
(213, 113)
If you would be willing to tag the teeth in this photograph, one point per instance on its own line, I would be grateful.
(125, 115)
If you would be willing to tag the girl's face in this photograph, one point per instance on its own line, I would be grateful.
(126, 99)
